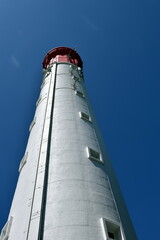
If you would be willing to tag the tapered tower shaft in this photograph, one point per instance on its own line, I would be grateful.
(66, 188)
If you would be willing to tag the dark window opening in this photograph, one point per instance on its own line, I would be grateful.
(94, 154)
(111, 235)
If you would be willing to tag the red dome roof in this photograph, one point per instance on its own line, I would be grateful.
(62, 54)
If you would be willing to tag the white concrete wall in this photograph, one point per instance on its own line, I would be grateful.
(77, 191)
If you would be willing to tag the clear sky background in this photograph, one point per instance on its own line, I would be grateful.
(119, 42)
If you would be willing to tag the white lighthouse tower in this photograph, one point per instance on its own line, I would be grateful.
(66, 189)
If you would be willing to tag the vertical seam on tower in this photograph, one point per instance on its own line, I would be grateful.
(45, 182)
(38, 163)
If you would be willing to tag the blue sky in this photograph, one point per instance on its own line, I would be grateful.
(118, 41)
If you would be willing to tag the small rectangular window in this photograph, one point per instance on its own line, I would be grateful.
(84, 116)
(23, 162)
(94, 155)
(32, 124)
(112, 231)
(80, 94)
(6, 230)
(38, 101)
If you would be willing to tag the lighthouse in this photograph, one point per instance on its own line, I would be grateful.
(67, 188)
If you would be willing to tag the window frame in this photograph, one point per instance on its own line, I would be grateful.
(85, 116)
(91, 157)
(116, 226)
(23, 162)
(32, 124)
(79, 93)
(38, 101)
